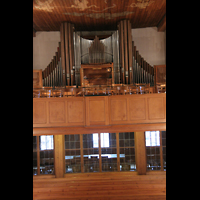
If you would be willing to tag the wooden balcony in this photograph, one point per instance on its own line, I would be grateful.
(109, 112)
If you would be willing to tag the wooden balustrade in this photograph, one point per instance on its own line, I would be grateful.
(99, 110)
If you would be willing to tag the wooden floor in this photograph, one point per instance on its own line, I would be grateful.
(102, 186)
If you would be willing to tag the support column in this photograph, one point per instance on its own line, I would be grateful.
(59, 156)
(140, 153)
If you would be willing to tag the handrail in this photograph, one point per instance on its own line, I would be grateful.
(92, 90)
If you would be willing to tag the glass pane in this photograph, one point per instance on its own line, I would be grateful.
(34, 143)
(153, 150)
(72, 154)
(34, 163)
(164, 149)
(127, 151)
(109, 152)
(152, 138)
(91, 152)
(46, 154)
(72, 161)
(46, 142)
(34, 155)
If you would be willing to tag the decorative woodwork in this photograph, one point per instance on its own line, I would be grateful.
(159, 74)
(96, 111)
(88, 15)
(97, 74)
(37, 78)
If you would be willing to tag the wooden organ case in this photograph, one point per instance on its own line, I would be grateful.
(96, 72)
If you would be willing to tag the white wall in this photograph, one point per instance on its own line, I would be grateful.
(151, 44)
(44, 47)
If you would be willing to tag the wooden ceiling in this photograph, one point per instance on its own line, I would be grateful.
(98, 15)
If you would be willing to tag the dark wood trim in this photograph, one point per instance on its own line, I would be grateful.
(162, 24)
(96, 129)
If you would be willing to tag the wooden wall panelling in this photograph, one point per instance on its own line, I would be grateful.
(56, 111)
(118, 109)
(140, 153)
(37, 78)
(159, 74)
(75, 111)
(157, 108)
(39, 112)
(53, 112)
(97, 111)
(137, 109)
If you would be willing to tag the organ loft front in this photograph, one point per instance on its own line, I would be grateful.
(99, 118)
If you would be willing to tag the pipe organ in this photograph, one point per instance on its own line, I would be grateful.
(129, 67)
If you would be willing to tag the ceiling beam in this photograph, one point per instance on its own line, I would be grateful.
(162, 24)
(34, 32)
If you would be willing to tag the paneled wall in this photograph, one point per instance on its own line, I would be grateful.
(102, 186)
(100, 110)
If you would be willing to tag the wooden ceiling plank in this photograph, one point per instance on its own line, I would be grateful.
(97, 15)
(162, 24)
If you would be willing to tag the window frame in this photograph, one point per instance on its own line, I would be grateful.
(38, 156)
(161, 152)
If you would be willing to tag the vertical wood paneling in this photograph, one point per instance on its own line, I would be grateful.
(140, 153)
(59, 163)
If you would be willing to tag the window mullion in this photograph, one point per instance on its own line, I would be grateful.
(38, 155)
(161, 152)
(100, 160)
